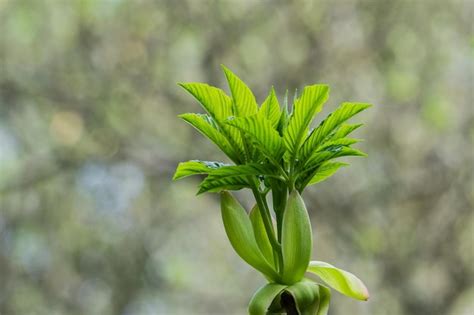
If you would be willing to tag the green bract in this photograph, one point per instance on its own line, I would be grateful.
(275, 153)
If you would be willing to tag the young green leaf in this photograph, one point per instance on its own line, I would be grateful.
(203, 124)
(195, 167)
(331, 153)
(212, 99)
(261, 133)
(240, 233)
(334, 120)
(343, 130)
(270, 109)
(260, 234)
(284, 116)
(305, 108)
(325, 171)
(296, 241)
(263, 298)
(250, 169)
(244, 100)
(344, 142)
(340, 280)
(216, 183)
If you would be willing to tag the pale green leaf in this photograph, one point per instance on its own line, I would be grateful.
(214, 100)
(296, 239)
(263, 298)
(270, 108)
(260, 233)
(261, 133)
(325, 171)
(195, 167)
(327, 126)
(343, 130)
(331, 153)
(240, 233)
(305, 108)
(340, 280)
(244, 100)
(206, 125)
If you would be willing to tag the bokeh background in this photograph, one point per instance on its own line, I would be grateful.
(90, 221)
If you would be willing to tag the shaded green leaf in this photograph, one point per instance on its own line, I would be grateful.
(216, 183)
(331, 153)
(263, 298)
(305, 108)
(244, 100)
(204, 124)
(240, 233)
(252, 169)
(297, 241)
(306, 296)
(270, 108)
(260, 233)
(327, 126)
(340, 280)
(261, 133)
(195, 167)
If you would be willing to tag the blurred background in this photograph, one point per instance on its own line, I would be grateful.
(90, 221)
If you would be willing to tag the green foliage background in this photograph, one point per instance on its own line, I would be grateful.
(90, 222)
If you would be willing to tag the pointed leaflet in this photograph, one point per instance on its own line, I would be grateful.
(345, 142)
(235, 177)
(331, 153)
(214, 100)
(244, 100)
(334, 120)
(195, 167)
(203, 123)
(325, 171)
(305, 108)
(219, 107)
(261, 133)
(340, 280)
(284, 116)
(216, 183)
(240, 233)
(271, 109)
(260, 233)
(296, 239)
(263, 298)
(344, 130)
(252, 169)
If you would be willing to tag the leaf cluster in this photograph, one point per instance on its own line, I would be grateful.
(271, 146)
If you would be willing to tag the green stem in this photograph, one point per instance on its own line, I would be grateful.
(267, 221)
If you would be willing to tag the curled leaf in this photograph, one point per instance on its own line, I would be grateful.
(263, 298)
(340, 280)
